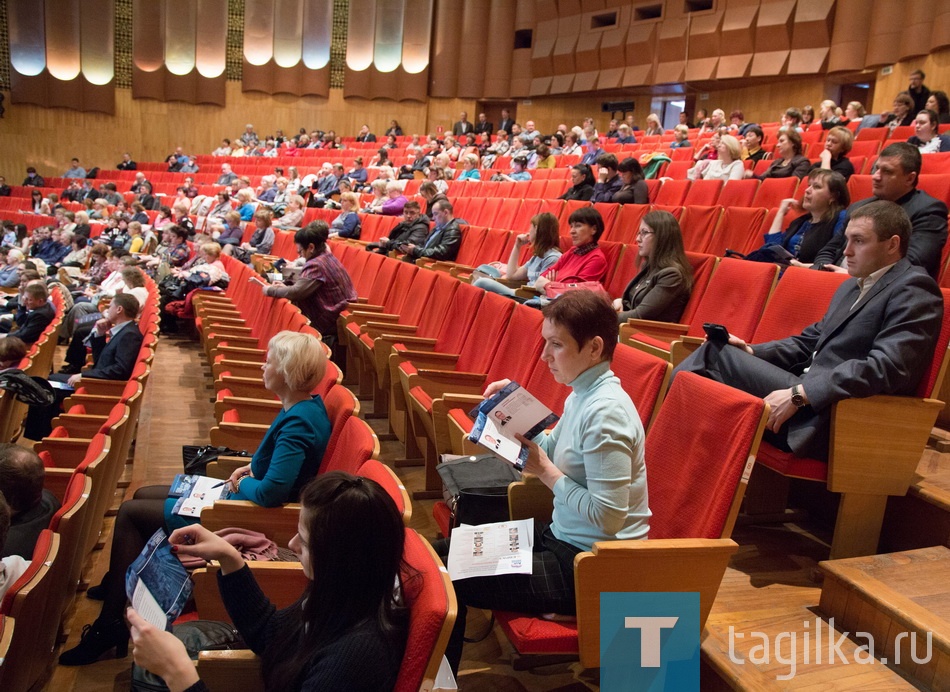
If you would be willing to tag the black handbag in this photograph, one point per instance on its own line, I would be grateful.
(476, 488)
(195, 458)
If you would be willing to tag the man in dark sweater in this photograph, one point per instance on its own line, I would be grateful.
(412, 231)
(21, 482)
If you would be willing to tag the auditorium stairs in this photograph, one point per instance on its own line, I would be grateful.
(779, 581)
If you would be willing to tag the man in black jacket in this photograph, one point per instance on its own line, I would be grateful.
(895, 180)
(444, 241)
(412, 231)
(34, 314)
(21, 482)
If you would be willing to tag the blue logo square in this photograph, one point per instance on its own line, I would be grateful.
(649, 642)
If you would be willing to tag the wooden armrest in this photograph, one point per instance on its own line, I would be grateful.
(527, 292)
(359, 317)
(365, 307)
(236, 368)
(234, 341)
(249, 410)
(56, 480)
(281, 582)
(231, 670)
(80, 424)
(418, 341)
(662, 565)
(681, 349)
(529, 497)
(95, 404)
(238, 435)
(277, 523)
(428, 359)
(877, 442)
(66, 452)
(668, 331)
(244, 386)
(224, 331)
(437, 383)
(377, 329)
(243, 353)
(91, 385)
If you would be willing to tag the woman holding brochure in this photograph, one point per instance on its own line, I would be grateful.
(347, 631)
(288, 457)
(592, 461)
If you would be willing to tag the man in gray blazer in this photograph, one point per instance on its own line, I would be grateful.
(444, 240)
(878, 337)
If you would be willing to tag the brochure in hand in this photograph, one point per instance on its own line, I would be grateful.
(157, 584)
(500, 417)
(488, 550)
(194, 493)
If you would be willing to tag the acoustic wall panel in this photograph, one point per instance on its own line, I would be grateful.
(849, 41)
(62, 39)
(498, 49)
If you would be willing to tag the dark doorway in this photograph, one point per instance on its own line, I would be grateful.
(862, 93)
(492, 111)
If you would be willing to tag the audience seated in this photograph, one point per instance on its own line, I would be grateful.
(726, 166)
(790, 161)
(12, 566)
(347, 223)
(834, 155)
(545, 251)
(31, 505)
(584, 261)
(634, 188)
(926, 138)
(664, 279)
(442, 244)
(609, 181)
(881, 345)
(33, 314)
(260, 242)
(582, 184)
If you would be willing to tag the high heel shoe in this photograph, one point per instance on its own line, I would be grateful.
(98, 592)
(96, 640)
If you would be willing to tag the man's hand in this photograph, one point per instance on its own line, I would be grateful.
(833, 268)
(781, 408)
(102, 326)
(739, 343)
(74, 380)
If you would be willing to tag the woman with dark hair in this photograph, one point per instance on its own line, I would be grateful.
(582, 184)
(394, 129)
(927, 139)
(834, 155)
(261, 241)
(664, 279)
(347, 631)
(36, 201)
(825, 202)
(222, 205)
(592, 461)
(790, 160)
(287, 458)
(939, 103)
(585, 261)
(808, 115)
(545, 158)
(545, 251)
(634, 189)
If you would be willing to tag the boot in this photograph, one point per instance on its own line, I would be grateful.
(96, 640)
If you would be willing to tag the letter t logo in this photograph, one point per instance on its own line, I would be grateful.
(650, 629)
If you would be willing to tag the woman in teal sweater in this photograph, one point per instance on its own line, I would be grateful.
(288, 457)
(592, 461)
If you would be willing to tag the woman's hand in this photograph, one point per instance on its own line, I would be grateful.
(197, 541)
(522, 239)
(538, 463)
(542, 281)
(238, 474)
(494, 388)
(786, 204)
(161, 653)
(617, 305)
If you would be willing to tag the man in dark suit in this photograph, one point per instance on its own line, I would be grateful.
(483, 125)
(115, 343)
(32, 506)
(506, 121)
(895, 180)
(462, 126)
(877, 337)
(444, 240)
(34, 314)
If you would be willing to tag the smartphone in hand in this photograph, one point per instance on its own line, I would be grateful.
(716, 332)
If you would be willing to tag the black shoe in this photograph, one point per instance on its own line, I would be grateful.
(98, 593)
(69, 370)
(96, 640)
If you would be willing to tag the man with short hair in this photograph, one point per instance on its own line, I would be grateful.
(227, 176)
(413, 230)
(917, 91)
(127, 164)
(462, 125)
(365, 135)
(609, 182)
(111, 195)
(443, 242)
(33, 179)
(139, 181)
(594, 151)
(483, 126)
(530, 132)
(75, 170)
(753, 144)
(31, 505)
(34, 313)
(877, 337)
(895, 180)
(13, 566)
(506, 122)
(189, 166)
(4, 188)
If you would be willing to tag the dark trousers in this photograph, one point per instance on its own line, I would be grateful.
(135, 523)
(548, 589)
(737, 368)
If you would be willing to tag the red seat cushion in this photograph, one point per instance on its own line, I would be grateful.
(420, 395)
(367, 339)
(443, 517)
(532, 635)
(789, 465)
(652, 341)
(461, 417)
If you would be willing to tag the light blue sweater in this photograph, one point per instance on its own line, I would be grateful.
(598, 445)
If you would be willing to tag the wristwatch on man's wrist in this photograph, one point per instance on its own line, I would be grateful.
(797, 397)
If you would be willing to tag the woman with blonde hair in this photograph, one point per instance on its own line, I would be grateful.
(726, 166)
(294, 214)
(347, 224)
(287, 458)
(653, 125)
(469, 168)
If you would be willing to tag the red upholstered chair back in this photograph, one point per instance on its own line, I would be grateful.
(703, 267)
(390, 482)
(738, 193)
(801, 298)
(483, 338)
(735, 297)
(341, 405)
(381, 281)
(520, 347)
(458, 320)
(355, 445)
(417, 297)
(436, 307)
(398, 295)
(549, 392)
(644, 377)
(739, 230)
(432, 610)
(703, 192)
(929, 381)
(695, 462)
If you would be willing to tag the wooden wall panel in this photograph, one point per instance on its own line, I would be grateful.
(936, 66)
